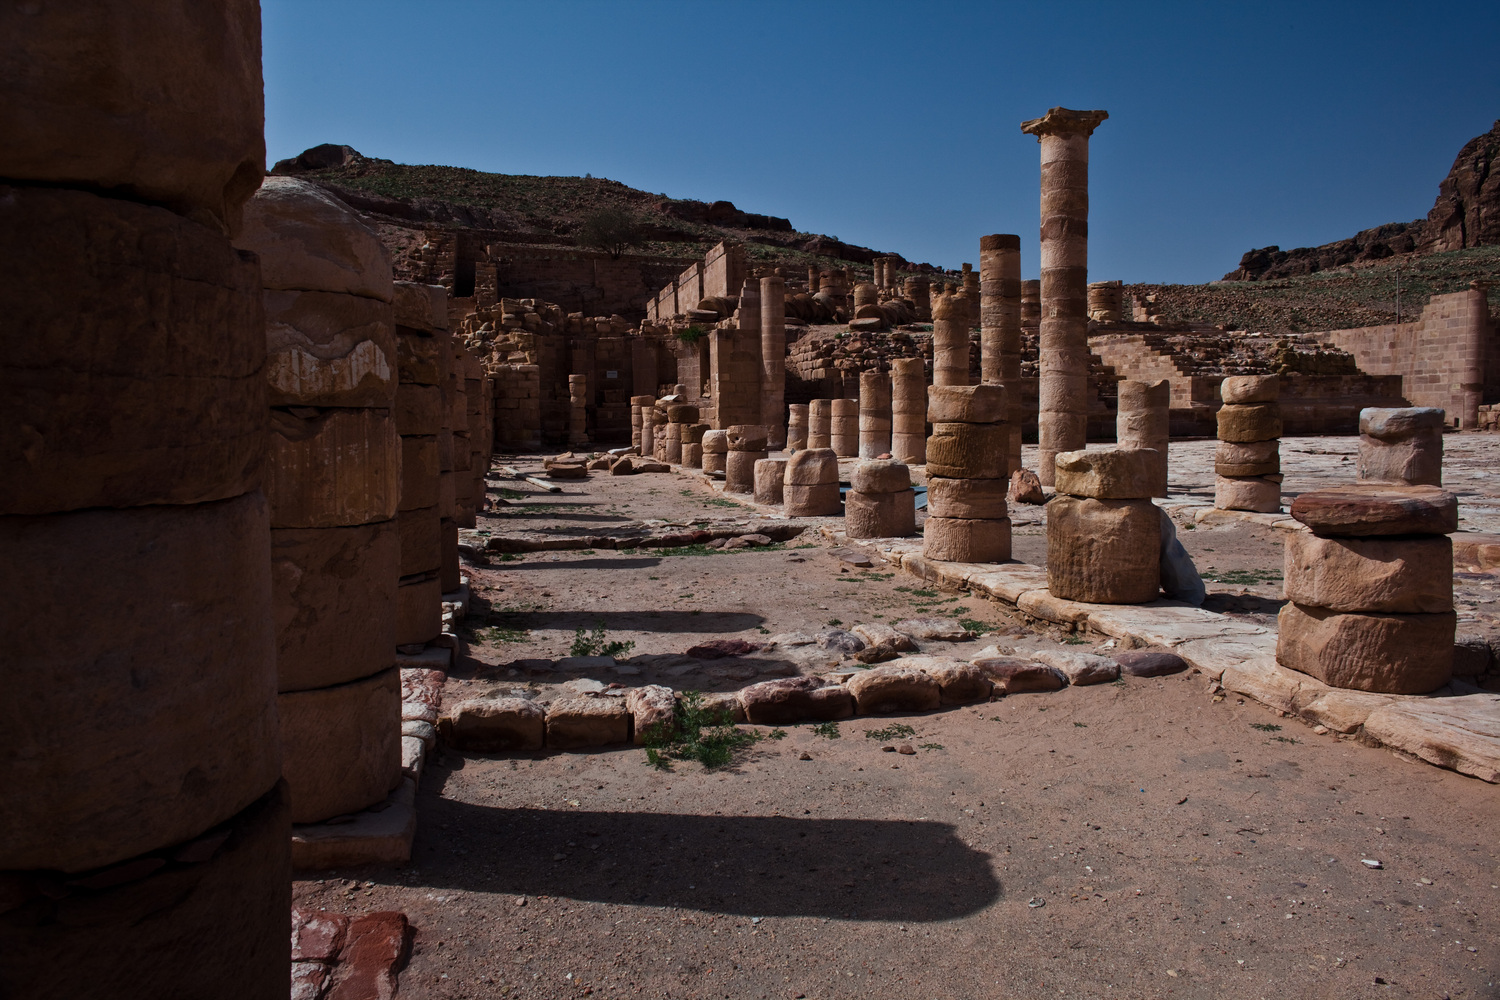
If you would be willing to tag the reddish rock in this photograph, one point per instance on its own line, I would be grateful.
(1359, 510)
(653, 711)
(894, 687)
(1025, 487)
(1013, 675)
(376, 950)
(317, 936)
(1149, 663)
(717, 648)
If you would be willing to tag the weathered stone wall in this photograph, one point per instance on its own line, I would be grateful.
(722, 272)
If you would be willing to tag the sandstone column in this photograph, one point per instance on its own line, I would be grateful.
(139, 738)
(1063, 421)
(909, 410)
(773, 360)
(747, 445)
(812, 280)
(638, 407)
(578, 398)
(820, 423)
(1370, 588)
(715, 447)
(1031, 305)
(970, 290)
(1106, 300)
(1103, 531)
(844, 427)
(1000, 327)
(874, 414)
(919, 290)
(770, 477)
(880, 502)
(1143, 421)
(950, 339)
(1401, 445)
(968, 520)
(796, 428)
(1247, 461)
(692, 445)
(811, 486)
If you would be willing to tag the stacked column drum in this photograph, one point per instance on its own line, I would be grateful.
(796, 427)
(747, 445)
(844, 427)
(1143, 422)
(1103, 531)
(820, 423)
(770, 476)
(874, 414)
(950, 339)
(144, 847)
(716, 451)
(881, 502)
(909, 411)
(1370, 588)
(1401, 445)
(967, 474)
(1247, 461)
(811, 486)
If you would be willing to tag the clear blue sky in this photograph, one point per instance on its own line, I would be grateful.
(895, 125)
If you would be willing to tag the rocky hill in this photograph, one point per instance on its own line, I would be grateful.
(523, 209)
(1465, 215)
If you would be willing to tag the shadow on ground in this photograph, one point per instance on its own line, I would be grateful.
(749, 865)
(640, 621)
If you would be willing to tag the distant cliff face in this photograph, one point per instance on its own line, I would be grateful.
(1466, 214)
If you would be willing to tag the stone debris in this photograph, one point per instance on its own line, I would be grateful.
(339, 957)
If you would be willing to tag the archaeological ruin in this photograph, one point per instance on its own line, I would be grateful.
(406, 606)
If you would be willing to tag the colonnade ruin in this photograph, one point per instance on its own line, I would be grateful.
(297, 476)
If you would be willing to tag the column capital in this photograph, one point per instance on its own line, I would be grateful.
(1062, 121)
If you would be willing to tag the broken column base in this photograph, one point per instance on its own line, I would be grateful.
(956, 539)
(1103, 551)
(1385, 653)
(1261, 494)
(880, 515)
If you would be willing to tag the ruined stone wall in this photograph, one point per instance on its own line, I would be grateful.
(721, 273)
(1440, 357)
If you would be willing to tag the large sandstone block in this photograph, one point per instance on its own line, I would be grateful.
(770, 476)
(746, 437)
(208, 918)
(1251, 458)
(419, 472)
(575, 723)
(1109, 474)
(881, 475)
(821, 500)
(1394, 423)
(1405, 575)
(739, 470)
(796, 699)
(653, 711)
(715, 442)
(1016, 675)
(327, 349)
(1103, 551)
(966, 404)
(341, 745)
(812, 467)
(971, 499)
(335, 468)
(1391, 654)
(1413, 458)
(1240, 389)
(880, 515)
(1365, 509)
(968, 451)
(334, 598)
(959, 683)
(419, 411)
(494, 725)
(308, 240)
(952, 539)
(132, 370)
(156, 721)
(419, 610)
(159, 101)
(419, 357)
(421, 541)
(420, 307)
(715, 461)
(1255, 493)
(894, 688)
(1244, 422)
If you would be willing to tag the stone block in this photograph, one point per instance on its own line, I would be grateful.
(132, 371)
(958, 683)
(419, 610)
(715, 442)
(494, 725)
(1149, 663)
(1103, 551)
(693, 433)
(812, 467)
(336, 468)
(970, 499)
(157, 720)
(1253, 458)
(420, 307)
(1080, 669)
(170, 109)
(770, 475)
(1366, 509)
(795, 699)
(419, 357)
(893, 688)
(883, 475)
(968, 451)
(1245, 422)
(576, 723)
(419, 472)
(822, 500)
(880, 515)
(1416, 459)
(329, 349)
(419, 410)
(1401, 575)
(341, 745)
(953, 539)
(739, 470)
(1395, 423)
(714, 461)
(206, 918)
(692, 457)
(334, 600)
(653, 711)
(746, 437)
(1015, 675)
(308, 240)
(421, 541)
(966, 404)
(1240, 389)
(1386, 653)
(1108, 474)
(1255, 493)
(681, 413)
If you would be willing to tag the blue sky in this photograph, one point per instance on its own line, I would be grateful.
(896, 125)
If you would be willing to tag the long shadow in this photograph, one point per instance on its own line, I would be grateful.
(751, 865)
(518, 515)
(640, 621)
(583, 564)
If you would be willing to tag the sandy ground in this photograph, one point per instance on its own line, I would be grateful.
(1130, 839)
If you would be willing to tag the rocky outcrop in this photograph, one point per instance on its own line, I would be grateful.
(1466, 214)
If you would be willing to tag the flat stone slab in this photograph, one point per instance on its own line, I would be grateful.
(1166, 623)
(1460, 733)
(379, 835)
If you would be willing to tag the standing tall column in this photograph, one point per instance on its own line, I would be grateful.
(919, 290)
(874, 414)
(950, 340)
(909, 411)
(820, 423)
(1063, 420)
(773, 360)
(1000, 327)
(812, 280)
(1031, 304)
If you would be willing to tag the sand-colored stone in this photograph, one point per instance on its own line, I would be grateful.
(968, 451)
(1401, 575)
(1103, 551)
(843, 430)
(577, 723)
(341, 746)
(894, 687)
(1254, 493)
(1143, 421)
(821, 500)
(329, 349)
(880, 515)
(1244, 422)
(966, 404)
(419, 307)
(1362, 510)
(874, 414)
(796, 427)
(950, 340)
(909, 410)
(739, 470)
(820, 423)
(795, 699)
(308, 240)
(1107, 474)
(336, 468)
(419, 609)
(811, 467)
(773, 358)
(1386, 653)
(967, 498)
(653, 711)
(1240, 389)
(1251, 458)
(952, 539)
(770, 475)
(746, 437)
(715, 442)
(884, 475)
(494, 725)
